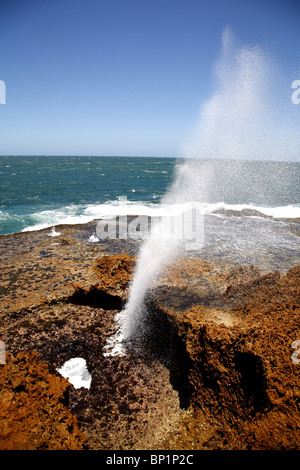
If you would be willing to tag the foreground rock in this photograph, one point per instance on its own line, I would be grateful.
(59, 299)
(238, 339)
(214, 372)
(34, 410)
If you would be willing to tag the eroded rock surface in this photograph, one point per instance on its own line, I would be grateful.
(215, 371)
(238, 346)
(59, 300)
(34, 410)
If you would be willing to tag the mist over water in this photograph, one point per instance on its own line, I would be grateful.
(236, 122)
(239, 122)
(250, 115)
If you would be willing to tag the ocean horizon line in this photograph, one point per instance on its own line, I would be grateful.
(153, 157)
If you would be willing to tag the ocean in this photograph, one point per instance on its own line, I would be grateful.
(39, 192)
(252, 207)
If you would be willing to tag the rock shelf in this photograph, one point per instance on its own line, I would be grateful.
(215, 370)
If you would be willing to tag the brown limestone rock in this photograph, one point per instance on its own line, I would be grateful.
(241, 371)
(33, 413)
(114, 272)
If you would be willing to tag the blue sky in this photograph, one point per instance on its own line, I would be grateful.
(124, 77)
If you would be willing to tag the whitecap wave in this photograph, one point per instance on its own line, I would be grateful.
(280, 212)
(82, 214)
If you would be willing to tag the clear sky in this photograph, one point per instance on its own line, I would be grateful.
(124, 77)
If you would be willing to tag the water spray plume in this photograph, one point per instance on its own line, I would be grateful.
(237, 123)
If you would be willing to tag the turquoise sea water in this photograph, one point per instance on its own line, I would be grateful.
(252, 207)
(39, 192)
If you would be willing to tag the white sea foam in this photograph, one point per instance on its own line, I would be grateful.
(110, 210)
(93, 238)
(54, 233)
(281, 212)
(114, 344)
(75, 370)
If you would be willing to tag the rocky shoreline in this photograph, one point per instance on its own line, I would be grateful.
(215, 370)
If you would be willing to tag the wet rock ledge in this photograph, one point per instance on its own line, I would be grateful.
(216, 370)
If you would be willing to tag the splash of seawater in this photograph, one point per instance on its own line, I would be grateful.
(237, 122)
